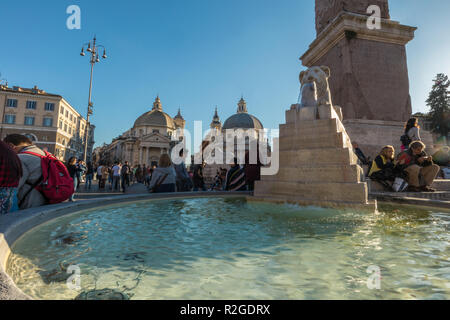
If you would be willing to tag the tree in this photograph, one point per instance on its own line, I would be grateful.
(439, 103)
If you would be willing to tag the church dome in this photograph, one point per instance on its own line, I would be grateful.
(242, 119)
(155, 117)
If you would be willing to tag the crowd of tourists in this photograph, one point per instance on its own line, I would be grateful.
(31, 177)
(412, 169)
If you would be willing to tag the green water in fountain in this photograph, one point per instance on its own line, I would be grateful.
(225, 248)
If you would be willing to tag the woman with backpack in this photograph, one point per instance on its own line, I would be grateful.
(10, 174)
(412, 133)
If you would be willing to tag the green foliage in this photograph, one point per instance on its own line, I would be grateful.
(439, 103)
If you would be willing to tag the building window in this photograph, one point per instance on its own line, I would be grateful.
(62, 110)
(65, 127)
(48, 122)
(31, 105)
(12, 103)
(49, 106)
(29, 121)
(10, 118)
(155, 131)
(67, 114)
(60, 124)
(32, 137)
(71, 118)
(44, 138)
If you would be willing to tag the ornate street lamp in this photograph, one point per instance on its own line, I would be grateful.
(93, 48)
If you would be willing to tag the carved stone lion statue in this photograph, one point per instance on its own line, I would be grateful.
(315, 89)
(318, 75)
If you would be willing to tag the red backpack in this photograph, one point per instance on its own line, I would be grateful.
(55, 184)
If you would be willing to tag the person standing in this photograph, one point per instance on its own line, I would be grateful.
(144, 174)
(74, 173)
(199, 182)
(252, 171)
(89, 176)
(99, 176)
(235, 180)
(139, 174)
(105, 175)
(10, 174)
(183, 180)
(81, 171)
(27, 194)
(116, 176)
(125, 175)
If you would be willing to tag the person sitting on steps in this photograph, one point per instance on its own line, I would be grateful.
(420, 169)
(382, 169)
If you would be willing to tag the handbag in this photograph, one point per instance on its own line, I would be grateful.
(158, 183)
(399, 185)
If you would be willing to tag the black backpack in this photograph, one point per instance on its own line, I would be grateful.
(406, 140)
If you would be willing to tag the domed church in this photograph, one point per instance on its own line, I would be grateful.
(152, 134)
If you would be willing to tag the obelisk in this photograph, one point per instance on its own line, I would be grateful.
(369, 67)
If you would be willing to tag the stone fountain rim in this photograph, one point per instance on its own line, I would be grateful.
(15, 225)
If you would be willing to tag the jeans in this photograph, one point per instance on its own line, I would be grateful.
(125, 181)
(116, 182)
(75, 185)
(88, 180)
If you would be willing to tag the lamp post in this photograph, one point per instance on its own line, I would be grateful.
(4, 106)
(93, 48)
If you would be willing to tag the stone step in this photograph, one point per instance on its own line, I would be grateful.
(317, 156)
(442, 184)
(317, 173)
(327, 191)
(438, 195)
(438, 184)
(319, 140)
(326, 126)
(322, 123)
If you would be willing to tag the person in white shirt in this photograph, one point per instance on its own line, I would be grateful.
(116, 176)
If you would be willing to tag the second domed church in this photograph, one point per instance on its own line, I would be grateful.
(155, 132)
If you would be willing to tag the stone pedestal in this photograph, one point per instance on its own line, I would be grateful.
(317, 164)
(369, 67)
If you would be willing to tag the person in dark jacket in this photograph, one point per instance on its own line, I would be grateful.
(89, 176)
(382, 168)
(235, 180)
(252, 171)
(361, 156)
(199, 182)
(419, 167)
(10, 174)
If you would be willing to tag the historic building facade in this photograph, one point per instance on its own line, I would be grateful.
(47, 119)
(216, 140)
(153, 133)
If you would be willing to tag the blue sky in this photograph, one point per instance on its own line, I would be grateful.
(195, 54)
